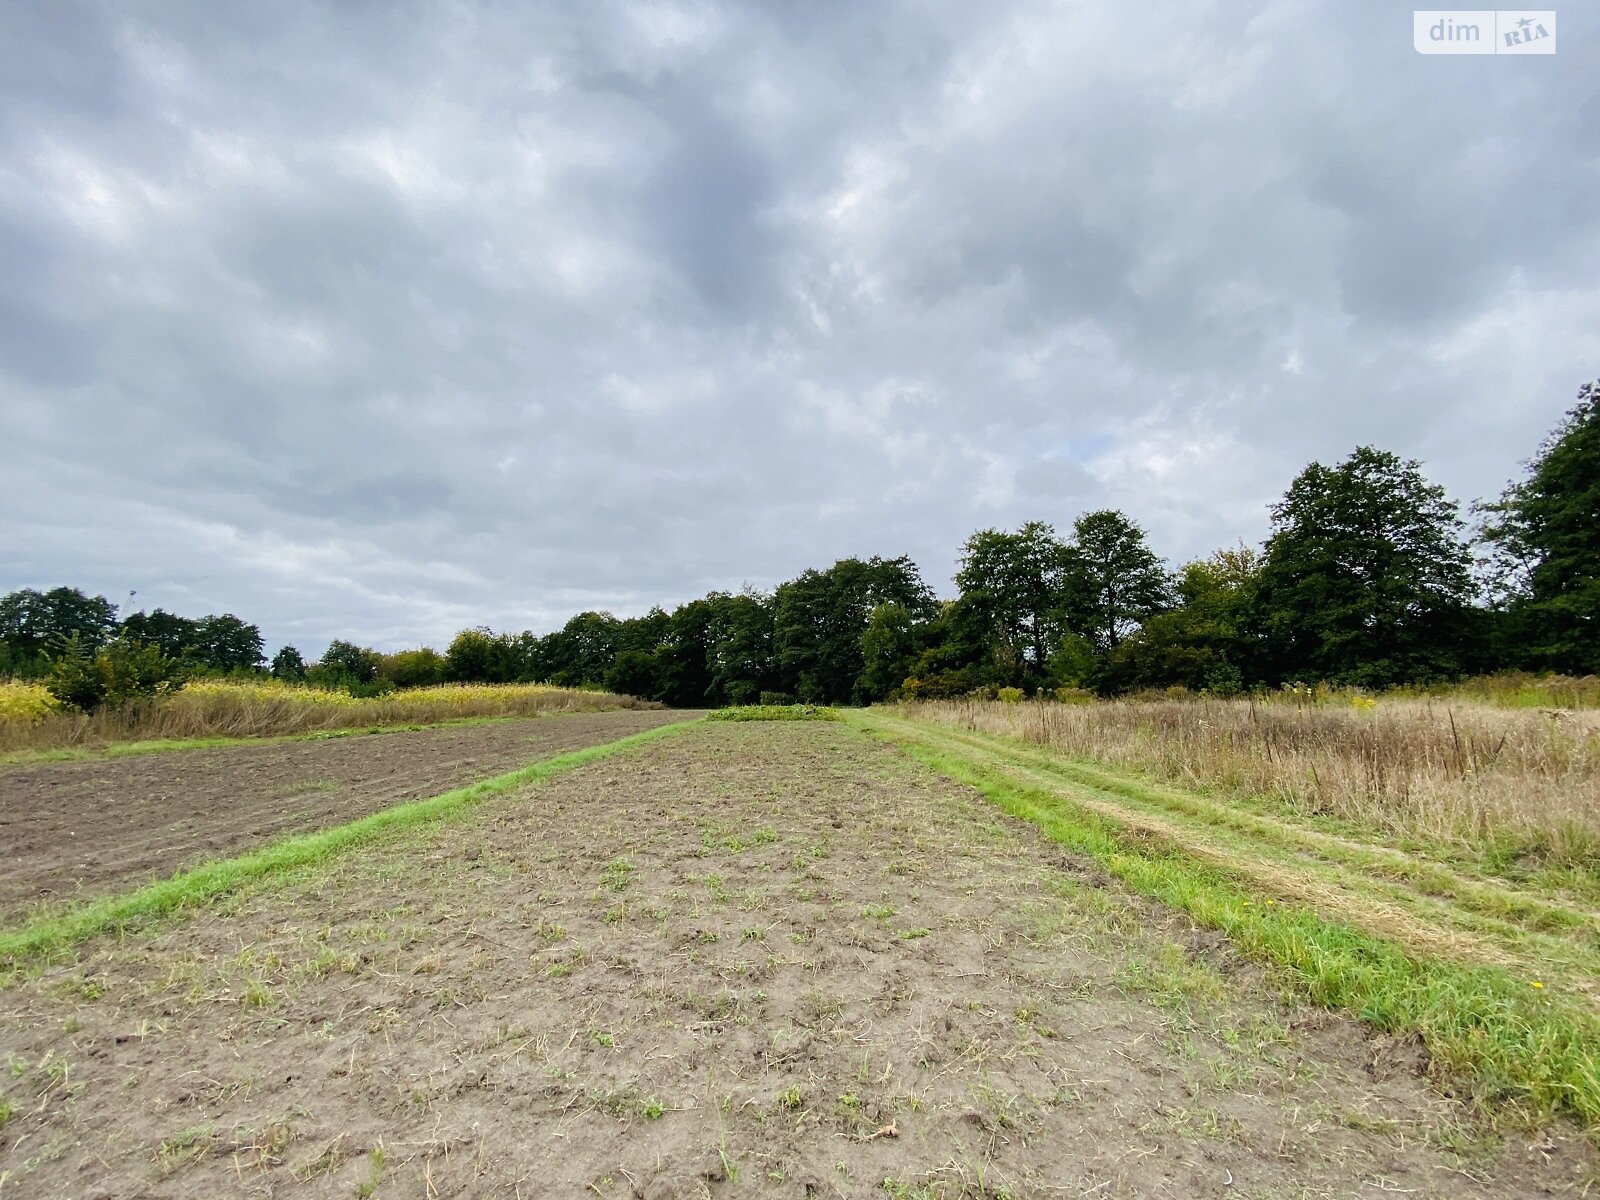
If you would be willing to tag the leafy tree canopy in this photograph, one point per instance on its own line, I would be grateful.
(34, 622)
(1016, 583)
(1366, 578)
(1545, 536)
(1203, 643)
(1115, 579)
(225, 643)
(349, 662)
(818, 618)
(287, 664)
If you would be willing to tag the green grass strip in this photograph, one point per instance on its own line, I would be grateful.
(169, 745)
(1519, 1043)
(194, 887)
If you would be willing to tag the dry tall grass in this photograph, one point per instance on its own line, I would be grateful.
(1507, 781)
(215, 708)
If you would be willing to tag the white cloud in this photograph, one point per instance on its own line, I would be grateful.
(371, 329)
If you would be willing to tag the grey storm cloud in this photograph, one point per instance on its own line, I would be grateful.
(379, 321)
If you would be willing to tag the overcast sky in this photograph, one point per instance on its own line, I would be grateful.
(379, 320)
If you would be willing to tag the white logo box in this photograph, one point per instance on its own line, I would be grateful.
(1483, 31)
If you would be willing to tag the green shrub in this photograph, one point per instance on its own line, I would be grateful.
(1010, 695)
(946, 685)
(371, 690)
(775, 712)
(287, 664)
(770, 698)
(741, 691)
(412, 668)
(121, 671)
(351, 663)
(1074, 695)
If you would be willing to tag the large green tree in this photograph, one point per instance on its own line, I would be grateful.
(635, 673)
(1545, 535)
(480, 656)
(1366, 579)
(888, 647)
(684, 658)
(819, 617)
(1115, 581)
(472, 657)
(116, 673)
(740, 647)
(348, 664)
(172, 634)
(1203, 643)
(953, 652)
(1016, 583)
(422, 667)
(225, 643)
(34, 622)
(581, 651)
(289, 665)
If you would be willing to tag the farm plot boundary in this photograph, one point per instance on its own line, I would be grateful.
(27, 758)
(211, 880)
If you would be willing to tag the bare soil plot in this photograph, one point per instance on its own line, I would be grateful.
(82, 827)
(752, 959)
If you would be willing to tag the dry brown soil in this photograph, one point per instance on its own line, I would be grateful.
(765, 959)
(75, 828)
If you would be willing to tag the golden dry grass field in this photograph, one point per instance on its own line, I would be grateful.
(31, 721)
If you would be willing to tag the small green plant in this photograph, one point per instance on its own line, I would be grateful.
(614, 875)
(790, 1097)
(183, 1148)
(907, 1191)
(85, 989)
(369, 1185)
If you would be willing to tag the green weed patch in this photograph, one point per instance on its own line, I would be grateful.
(776, 712)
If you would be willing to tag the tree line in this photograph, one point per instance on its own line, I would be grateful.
(1370, 576)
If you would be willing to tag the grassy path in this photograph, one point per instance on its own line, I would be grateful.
(1426, 904)
(1498, 981)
